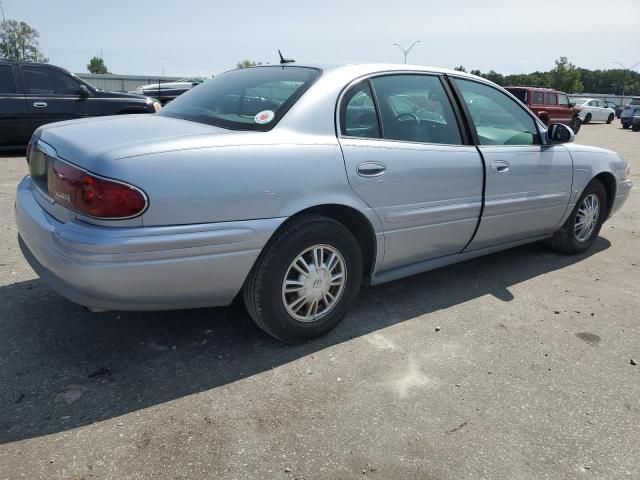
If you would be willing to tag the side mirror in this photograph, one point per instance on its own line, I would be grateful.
(84, 91)
(559, 133)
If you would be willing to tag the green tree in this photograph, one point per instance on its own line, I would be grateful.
(19, 41)
(565, 76)
(96, 65)
(247, 64)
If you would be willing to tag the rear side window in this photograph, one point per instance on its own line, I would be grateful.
(552, 99)
(538, 97)
(7, 82)
(49, 81)
(246, 99)
(358, 117)
(499, 120)
(519, 94)
(415, 108)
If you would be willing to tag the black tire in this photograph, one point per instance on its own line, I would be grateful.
(587, 118)
(576, 123)
(635, 127)
(564, 240)
(263, 294)
(610, 119)
(625, 125)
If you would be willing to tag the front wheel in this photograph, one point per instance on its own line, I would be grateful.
(306, 279)
(635, 127)
(587, 118)
(583, 225)
(625, 125)
(576, 123)
(610, 119)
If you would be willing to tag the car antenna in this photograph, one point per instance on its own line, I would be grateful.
(283, 60)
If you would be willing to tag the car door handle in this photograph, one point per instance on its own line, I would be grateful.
(40, 104)
(499, 166)
(371, 169)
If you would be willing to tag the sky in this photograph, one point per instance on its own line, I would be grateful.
(205, 37)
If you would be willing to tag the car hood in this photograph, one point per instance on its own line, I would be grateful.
(89, 142)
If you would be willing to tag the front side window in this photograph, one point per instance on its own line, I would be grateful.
(552, 99)
(593, 103)
(499, 120)
(563, 100)
(7, 82)
(49, 81)
(538, 97)
(358, 115)
(415, 108)
(245, 99)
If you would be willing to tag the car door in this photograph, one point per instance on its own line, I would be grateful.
(54, 95)
(565, 110)
(592, 108)
(15, 128)
(551, 105)
(528, 184)
(406, 158)
(603, 111)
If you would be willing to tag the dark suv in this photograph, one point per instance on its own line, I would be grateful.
(33, 94)
(551, 106)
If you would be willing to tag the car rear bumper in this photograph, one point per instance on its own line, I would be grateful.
(140, 268)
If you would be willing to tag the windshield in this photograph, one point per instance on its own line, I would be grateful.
(635, 101)
(246, 99)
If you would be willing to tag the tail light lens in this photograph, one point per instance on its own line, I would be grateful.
(92, 195)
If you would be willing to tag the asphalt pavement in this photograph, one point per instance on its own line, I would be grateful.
(518, 365)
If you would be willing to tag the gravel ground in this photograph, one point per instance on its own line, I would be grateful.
(515, 366)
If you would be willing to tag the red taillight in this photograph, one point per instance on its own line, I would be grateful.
(92, 195)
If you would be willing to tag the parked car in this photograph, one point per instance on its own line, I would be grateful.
(593, 110)
(34, 94)
(616, 108)
(630, 110)
(165, 92)
(551, 106)
(331, 178)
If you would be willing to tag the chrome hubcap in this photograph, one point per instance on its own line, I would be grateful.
(314, 283)
(587, 217)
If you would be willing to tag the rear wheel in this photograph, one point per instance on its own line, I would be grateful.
(625, 125)
(610, 119)
(306, 280)
(635, 127)
(587, 118)
(583, 225)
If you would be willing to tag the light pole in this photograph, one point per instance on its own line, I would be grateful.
(406, 52)
(624, 78)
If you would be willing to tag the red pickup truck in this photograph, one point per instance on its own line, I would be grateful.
(551, 106)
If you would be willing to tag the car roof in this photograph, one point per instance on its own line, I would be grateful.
(372, 68)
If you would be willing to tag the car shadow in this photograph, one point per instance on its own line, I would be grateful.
(62, 367)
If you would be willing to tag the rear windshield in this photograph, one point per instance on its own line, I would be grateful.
(246, 99)
(577, 101)
(519, 94)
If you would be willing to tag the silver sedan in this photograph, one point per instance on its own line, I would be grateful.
(293, 185)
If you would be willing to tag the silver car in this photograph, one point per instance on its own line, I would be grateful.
(292, 185)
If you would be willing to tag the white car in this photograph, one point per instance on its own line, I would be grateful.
(593, 110)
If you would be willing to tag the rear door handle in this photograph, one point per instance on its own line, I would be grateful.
(499, 166)
(40, 104)
(371, 169)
